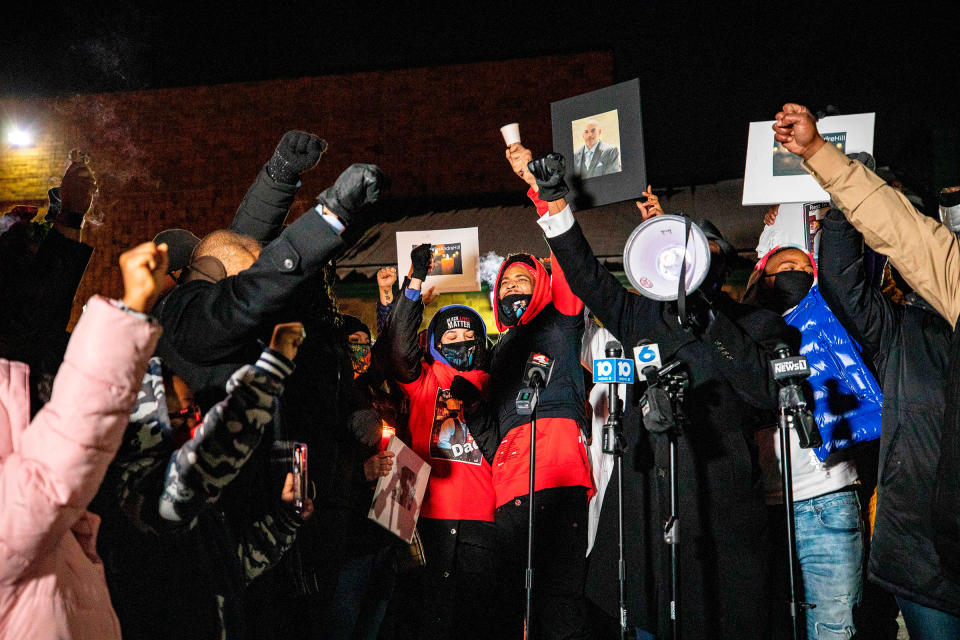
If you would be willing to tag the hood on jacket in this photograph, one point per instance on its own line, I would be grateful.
(752, 293)
(475, 321)
(542, 292)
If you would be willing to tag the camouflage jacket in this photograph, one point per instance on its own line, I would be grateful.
(163, 488)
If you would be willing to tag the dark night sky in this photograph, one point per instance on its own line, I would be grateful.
(706, 69)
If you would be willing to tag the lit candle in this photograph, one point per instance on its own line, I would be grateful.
(386, 432)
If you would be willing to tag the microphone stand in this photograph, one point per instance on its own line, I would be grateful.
(613, 444)
(668, 420)
(787, 419)
(530, 408)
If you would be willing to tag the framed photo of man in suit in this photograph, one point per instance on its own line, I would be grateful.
(601, 138)
(596, 141)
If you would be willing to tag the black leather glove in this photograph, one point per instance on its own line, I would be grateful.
(358, 185)
(463, 390)
(297, 153)
(549, 171)
(420, 260)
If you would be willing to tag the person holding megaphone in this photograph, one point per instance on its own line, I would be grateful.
(725, 347)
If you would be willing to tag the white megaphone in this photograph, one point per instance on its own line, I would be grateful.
(654, 255)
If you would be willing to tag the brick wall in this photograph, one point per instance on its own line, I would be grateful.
(184, 157)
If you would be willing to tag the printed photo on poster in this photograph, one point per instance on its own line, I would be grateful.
(450, 439)
(456, 253)
(596, 141)
(600, 135)
(788, 164)
(447, 259)
(797, 225)
(773, 175)
(399, 495)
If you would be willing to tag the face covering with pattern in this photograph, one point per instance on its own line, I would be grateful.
(789, 288)
(512, 307)
(360, 357)
(459, 355)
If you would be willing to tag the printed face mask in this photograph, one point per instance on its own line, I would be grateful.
(360, 357)
(459, 355)
(512, 307)
(789, 288)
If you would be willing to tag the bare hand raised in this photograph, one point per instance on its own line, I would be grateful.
(287, 338)
(518, 156)
(143, 269)
(796, 129)
(651, 207)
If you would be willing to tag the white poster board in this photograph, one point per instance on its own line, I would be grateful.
(773, 175)
(456, 253)
(399, 494)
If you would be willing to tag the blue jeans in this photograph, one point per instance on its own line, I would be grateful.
(924, 623)
(830, 552)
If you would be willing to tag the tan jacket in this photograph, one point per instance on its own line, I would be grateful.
(925, 252)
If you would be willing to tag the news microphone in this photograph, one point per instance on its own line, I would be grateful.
(536, 376)
(613, 370)
(789, 371)
(537, 370)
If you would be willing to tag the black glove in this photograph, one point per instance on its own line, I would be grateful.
(420, 260)
(356, 186)
(548, 171)
(463, 390)
(297, 153)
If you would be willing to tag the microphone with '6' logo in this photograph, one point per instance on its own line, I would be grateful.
(536, 376)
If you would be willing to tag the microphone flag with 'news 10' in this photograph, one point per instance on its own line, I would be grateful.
(613, 370)
(537, 370)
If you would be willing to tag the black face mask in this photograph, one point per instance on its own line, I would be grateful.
(512, 307)
(789, 288)
(459, 355)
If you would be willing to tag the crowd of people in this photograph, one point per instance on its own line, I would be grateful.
(152, 464)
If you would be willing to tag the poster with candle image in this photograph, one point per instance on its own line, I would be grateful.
(456, 253)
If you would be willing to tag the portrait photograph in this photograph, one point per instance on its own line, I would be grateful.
(600, 135)
(596, 145)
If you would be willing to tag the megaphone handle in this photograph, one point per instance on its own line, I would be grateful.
(682, 286)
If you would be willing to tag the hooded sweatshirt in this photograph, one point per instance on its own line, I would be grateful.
(460, 486)
(552, 324)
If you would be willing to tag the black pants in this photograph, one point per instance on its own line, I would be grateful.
(559, 562)
(455, 594)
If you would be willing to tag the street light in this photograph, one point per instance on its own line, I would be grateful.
(18, 137)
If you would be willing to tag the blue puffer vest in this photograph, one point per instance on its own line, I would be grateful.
(847, 399)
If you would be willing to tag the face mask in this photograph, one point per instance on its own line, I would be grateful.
(360, 357)
(789, 288)
(512, 307)
(459, 355)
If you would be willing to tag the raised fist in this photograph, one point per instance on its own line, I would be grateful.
(386, 277)
(796, 129)
(421, 261)
(297, 153)
(358, 185)
(287, 338)
(143, 269)
(77, 189)
(548, 172)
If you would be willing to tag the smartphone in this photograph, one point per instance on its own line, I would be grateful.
(299, 470)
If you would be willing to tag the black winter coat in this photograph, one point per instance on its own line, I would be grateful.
(909, 346)
(722, 525)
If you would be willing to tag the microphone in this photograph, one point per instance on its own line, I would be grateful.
(537, 370)
(536, 376)
(789, 371)
(613, 370)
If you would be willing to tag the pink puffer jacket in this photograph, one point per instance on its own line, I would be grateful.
(51, 581)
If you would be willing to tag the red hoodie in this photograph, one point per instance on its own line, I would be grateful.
(561, 455)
